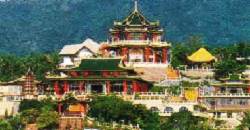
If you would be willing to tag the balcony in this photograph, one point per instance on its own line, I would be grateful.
(146, 64)
(139, 42)
(230, 107)
(198, 72)
(226, 95)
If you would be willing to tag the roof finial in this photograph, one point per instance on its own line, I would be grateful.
(136, 5)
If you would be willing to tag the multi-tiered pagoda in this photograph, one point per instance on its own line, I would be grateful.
(138, 41)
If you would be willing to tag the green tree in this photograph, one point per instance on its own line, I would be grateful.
(30, 104)
(12, 67)
(5, 125)
(16, 123)
(112, 108)
(48, 104)
(48, 120)
(29, 116)
(226, 67)
(179, 55)
(180, 51)
(184, 120)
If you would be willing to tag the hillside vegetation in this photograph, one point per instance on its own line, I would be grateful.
(46, 25)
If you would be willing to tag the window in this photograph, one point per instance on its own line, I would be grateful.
(218, 114)
(229, 115)
(169, 110)
(136, 36)
(183, 109)
(154, 109)
(117, 87)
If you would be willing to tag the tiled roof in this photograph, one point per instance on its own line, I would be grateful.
(202, 55)
(100, 64)
(73, 49)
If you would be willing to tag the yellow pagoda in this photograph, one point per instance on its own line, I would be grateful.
(200, 64)
(201, 56)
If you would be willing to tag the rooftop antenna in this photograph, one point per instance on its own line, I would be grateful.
(136, 5)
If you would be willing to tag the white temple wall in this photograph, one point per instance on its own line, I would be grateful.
(67, 60)
(85, 53)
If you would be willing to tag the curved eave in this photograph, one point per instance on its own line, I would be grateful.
(141, 45)
(93, 78)
(200, 60)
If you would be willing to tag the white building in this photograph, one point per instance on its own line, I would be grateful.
(73, 54)
(10, 97)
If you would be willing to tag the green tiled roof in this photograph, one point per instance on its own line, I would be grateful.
(100, 65)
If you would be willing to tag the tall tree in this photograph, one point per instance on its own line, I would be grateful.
(112, 108)
(5, 125)
(184, 120)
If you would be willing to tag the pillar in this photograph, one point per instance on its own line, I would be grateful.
(65, 86)
(164, 55)
(127, 36)
(81, 86)
(154, 37)
(134, 86)
(125, 87)
(146, 54)
(155, 57)
(248, 89)
(56, 88)
(108, 87)
(144, 36)
(144, 87)
(60, 108)
(124, 53)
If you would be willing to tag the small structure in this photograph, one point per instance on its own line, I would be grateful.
(227, 99)
(138, 41)
(173, 78)
(10, 97)
(98, 75)
(72, 115)
(29, 85)
(73, 54)
(200, 66)
(201, 56)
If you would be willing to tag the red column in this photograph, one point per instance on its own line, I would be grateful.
(146, 54)
(125, 87)
(146, 87)
(56, 87)
(143, 36)
(81, 86)
(164, 55)
(156, 58)
(65, 86)
(248, 89)
(116, 36)
(154, 37)
(127, 36)
(124, 53)
(108, 87)
(134, 86)
(60, 108)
